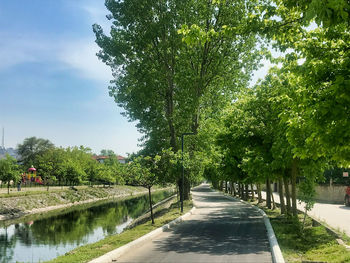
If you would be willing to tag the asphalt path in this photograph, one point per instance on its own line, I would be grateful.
(220, 230)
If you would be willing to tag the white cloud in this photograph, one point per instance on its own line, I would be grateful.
(62, 52)
(19, 49)
(75, 54)
(81, 55)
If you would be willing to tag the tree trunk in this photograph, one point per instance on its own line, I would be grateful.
(258, 186)
(305, 214)
(268, 194)
(246, 192)
(231, 190)
(186, 193)
(177, 192)
(280, 191)
(150, 203)
(8, 187)
(169, 98)
(273, 200)
(226, 187)
(251, 188)
(234, 189)
(293, 179)
(286, 188)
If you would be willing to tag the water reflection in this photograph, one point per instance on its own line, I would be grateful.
(47, 238)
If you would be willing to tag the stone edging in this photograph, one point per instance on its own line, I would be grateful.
(276, 253)
(114, 254)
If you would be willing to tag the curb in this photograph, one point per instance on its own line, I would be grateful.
(276, 253)
(277, 256)
(114, 254)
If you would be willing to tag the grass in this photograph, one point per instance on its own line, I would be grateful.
(308, 244)
(91, 251)
(28, 193)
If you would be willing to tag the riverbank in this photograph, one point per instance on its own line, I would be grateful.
(86, 253)
(29, 203)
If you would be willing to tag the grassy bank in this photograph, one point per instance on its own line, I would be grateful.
(91, 251)
(305, 244)
(23, 203)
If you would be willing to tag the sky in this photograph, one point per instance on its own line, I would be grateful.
(52, 85)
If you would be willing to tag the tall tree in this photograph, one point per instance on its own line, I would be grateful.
(164, 74)
(159, 78)
(31, 148)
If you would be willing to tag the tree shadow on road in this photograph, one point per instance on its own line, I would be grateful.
(227, 232)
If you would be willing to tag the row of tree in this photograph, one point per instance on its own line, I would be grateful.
(77, 165)
(185, 66)
(61, 166)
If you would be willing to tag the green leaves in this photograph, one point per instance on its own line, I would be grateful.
(9, 170)
(195, 35)
(31, 148)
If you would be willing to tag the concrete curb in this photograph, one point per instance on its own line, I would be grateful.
(277, 256)
(276, 253)
(114, 254)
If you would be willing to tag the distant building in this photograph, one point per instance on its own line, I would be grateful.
(121, 159)
(102, 158)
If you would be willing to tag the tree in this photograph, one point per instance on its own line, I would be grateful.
(46, 166)
(317, 62)
(143, 172)
(9, 171)
(31, 148)
(105, 174)
(165, 76)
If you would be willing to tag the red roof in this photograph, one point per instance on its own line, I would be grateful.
(120, 157)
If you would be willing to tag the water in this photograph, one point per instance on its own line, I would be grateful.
(48, 238)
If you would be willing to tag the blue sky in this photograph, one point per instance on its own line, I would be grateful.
(51, 83)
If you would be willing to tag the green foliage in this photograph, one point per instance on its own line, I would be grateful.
(9, 170)
(313, 243)
(142, 171)
(307, 192)
(164, 76)
(325, 12)
(73, 165)
(31, 148)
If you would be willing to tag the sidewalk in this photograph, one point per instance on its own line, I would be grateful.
(335, 215)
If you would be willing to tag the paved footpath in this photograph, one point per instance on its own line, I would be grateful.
(335, 215)
(220, 230)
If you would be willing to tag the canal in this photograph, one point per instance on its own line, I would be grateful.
(43, 239)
